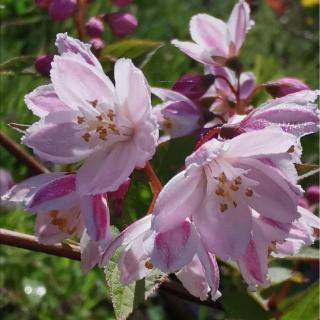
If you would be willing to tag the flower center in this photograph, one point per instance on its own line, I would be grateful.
(62, 222)
(102, 125)
(229, 192)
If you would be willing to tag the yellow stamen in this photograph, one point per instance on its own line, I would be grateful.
(249, 192)
(148, 264)
(223, 207)
(238, 181)
(81, 120)
(86, 137)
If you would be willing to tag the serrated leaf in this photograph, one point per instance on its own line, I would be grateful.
(306, 170)
(139, 50)
(16, 65)
(125, 298)
(307, 307)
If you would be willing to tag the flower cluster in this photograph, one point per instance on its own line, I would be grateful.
(238, 195)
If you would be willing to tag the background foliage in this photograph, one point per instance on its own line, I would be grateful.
(37, 286)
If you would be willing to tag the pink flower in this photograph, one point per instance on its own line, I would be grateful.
(216, 42)
(6, 181)
(221, 87)
(62, 212)
(294, 113)
(85, 117)
(224, 181)
(178, 248)
(121, 23)
(97, 43)
(284, 86)
(282, 238)
(178, 116)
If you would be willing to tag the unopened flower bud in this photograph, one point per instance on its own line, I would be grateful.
(94, 27)
(97, 43)
(121, 23)
(62, 9)
(193, 86)
(284, 86)
(313, 194)
(121, 3)
(42, 3)
(42, 64)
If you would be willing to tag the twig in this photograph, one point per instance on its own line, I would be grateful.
(21, 154)
(79, 18)
(155, 184)
(29, 242)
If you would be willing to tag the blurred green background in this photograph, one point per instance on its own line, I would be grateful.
(36, 286)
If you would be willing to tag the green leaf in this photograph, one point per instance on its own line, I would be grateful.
(307, 307)
(242, 305)
(125, 298)
(16, 65)
(306, 170)
(279, 274)
(139, 50)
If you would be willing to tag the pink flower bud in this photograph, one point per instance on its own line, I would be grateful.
(42, 64)
(303, 202)
(62, 9)
(42, 3)
(121, 3)
(94, 27)
(97, 43)
(193, 85)
(121, 23)
(285, 86)
(313, 194)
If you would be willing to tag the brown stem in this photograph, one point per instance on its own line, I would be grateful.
(29, 242)
(79, 18)
(21, 154)
(155, 184)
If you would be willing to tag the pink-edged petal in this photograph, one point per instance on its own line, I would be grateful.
(24, 191)
(58, 138)
(132, 262)
(67, 44)
(54, 195)
(239, 23)
(127, 236)
(211, 270)
(77, 83)
(273, 197)
(46, 232)
(170, 95)
(193, 278)
(44, 100)
(96, 216)
(210, 33)
(178, 200)
(220, 83)
(145, 140)
(175, 248)
(89, 252)
(264, 142)
(225, 233)
(253, 264)
(294, 113)
(194, 51)
(309, 218)
(247, 84)
(106, 170)
(132, 91)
